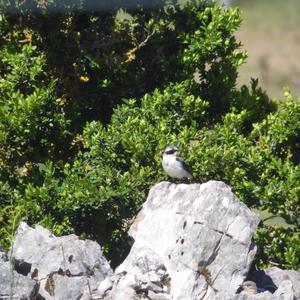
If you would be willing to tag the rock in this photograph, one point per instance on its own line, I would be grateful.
(126, 293)
(3, 255)
(191, 242)
(105, 286)
(284, 278)
(65, 266)
(260, 296)
(14, 285)
(283, 284)
(158, 296)
(286, 291)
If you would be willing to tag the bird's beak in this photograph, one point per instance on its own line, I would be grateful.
(162, 153)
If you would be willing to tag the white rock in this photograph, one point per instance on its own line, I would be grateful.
(199, 235)
(14, 285)
(65, 265)
(285, 280)
(105, 285)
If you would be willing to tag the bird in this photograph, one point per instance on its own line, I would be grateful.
(249, 288)
(173, 165)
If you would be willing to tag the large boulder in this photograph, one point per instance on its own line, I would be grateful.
(66, 267)
(190, 242)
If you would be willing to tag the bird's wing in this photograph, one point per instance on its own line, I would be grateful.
(184, 165)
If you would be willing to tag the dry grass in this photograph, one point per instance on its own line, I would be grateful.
(271, 34)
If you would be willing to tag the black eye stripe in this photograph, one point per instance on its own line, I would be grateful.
(170, 151)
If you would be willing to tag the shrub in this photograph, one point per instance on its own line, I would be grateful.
(33, 125)
(109, 181)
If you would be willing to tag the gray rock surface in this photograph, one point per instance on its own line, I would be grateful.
(276, 284)
(191, 242)
(284, 284)
(285, 291)
(285, 280)
(260, 296)
(64, 266)
(14, 285)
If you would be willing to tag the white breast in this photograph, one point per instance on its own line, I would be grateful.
(173, 167)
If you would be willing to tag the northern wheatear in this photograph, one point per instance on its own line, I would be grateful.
(173, 165)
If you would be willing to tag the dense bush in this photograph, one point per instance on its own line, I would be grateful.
(77, 157)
